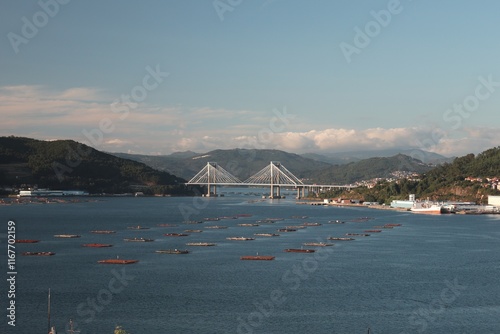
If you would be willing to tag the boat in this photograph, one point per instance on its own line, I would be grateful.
(67, 236)
(138, 239)
(299, 250)
(266, 234)
(340, 239)
(208, 219)
(26, 241)
(287, 230)
(335, 222)
(296, 227)
(172, 251)
(38, 253)
(392, 225)
(176, 234)
(240, 238)
(103, 232)
(317, 244)
(427, 208)
(138, 227)
(373, 231)
(257, 257)
(311, 224)
(117, 261)
(192, 222)
(357, 234)
(97, 245)
(205, 244)
(193, 231)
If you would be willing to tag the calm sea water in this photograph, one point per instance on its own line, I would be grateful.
(434, 274)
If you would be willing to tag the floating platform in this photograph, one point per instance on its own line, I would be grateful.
(299, 250)
(257, 257)
(26, 241)
(172, 251)
(38, 253)
(203, 244)
(117, 261)
(97, 245)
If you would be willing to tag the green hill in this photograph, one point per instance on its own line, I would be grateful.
(369, 169)
(444, 182)
(66, 164)
(242, 163)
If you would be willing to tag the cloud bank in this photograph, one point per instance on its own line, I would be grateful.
(39, 112)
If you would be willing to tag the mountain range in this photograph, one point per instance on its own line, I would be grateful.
(243, 163)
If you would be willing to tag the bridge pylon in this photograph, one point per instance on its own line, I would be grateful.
(212, 175)
(276, 175)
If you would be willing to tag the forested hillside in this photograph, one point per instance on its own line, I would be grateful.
(444, 182)
(66, 164)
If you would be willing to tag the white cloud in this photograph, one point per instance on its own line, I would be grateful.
(39, 112)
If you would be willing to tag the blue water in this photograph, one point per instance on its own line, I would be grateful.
(434, 274)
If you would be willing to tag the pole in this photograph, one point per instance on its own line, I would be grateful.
(48, 313)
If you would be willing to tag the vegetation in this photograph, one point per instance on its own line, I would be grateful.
(369, 169)
(447, 181)
(66, 164)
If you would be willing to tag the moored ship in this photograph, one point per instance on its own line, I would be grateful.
(427, 208)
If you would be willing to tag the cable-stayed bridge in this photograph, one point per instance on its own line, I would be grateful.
(274, 175)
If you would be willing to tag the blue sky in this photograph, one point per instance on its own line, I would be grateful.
(252, 74)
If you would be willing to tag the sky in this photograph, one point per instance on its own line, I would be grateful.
(325, 76)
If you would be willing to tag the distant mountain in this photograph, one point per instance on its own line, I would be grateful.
(66, 164)
(242, 163)
(380, 167)
(353, 156)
